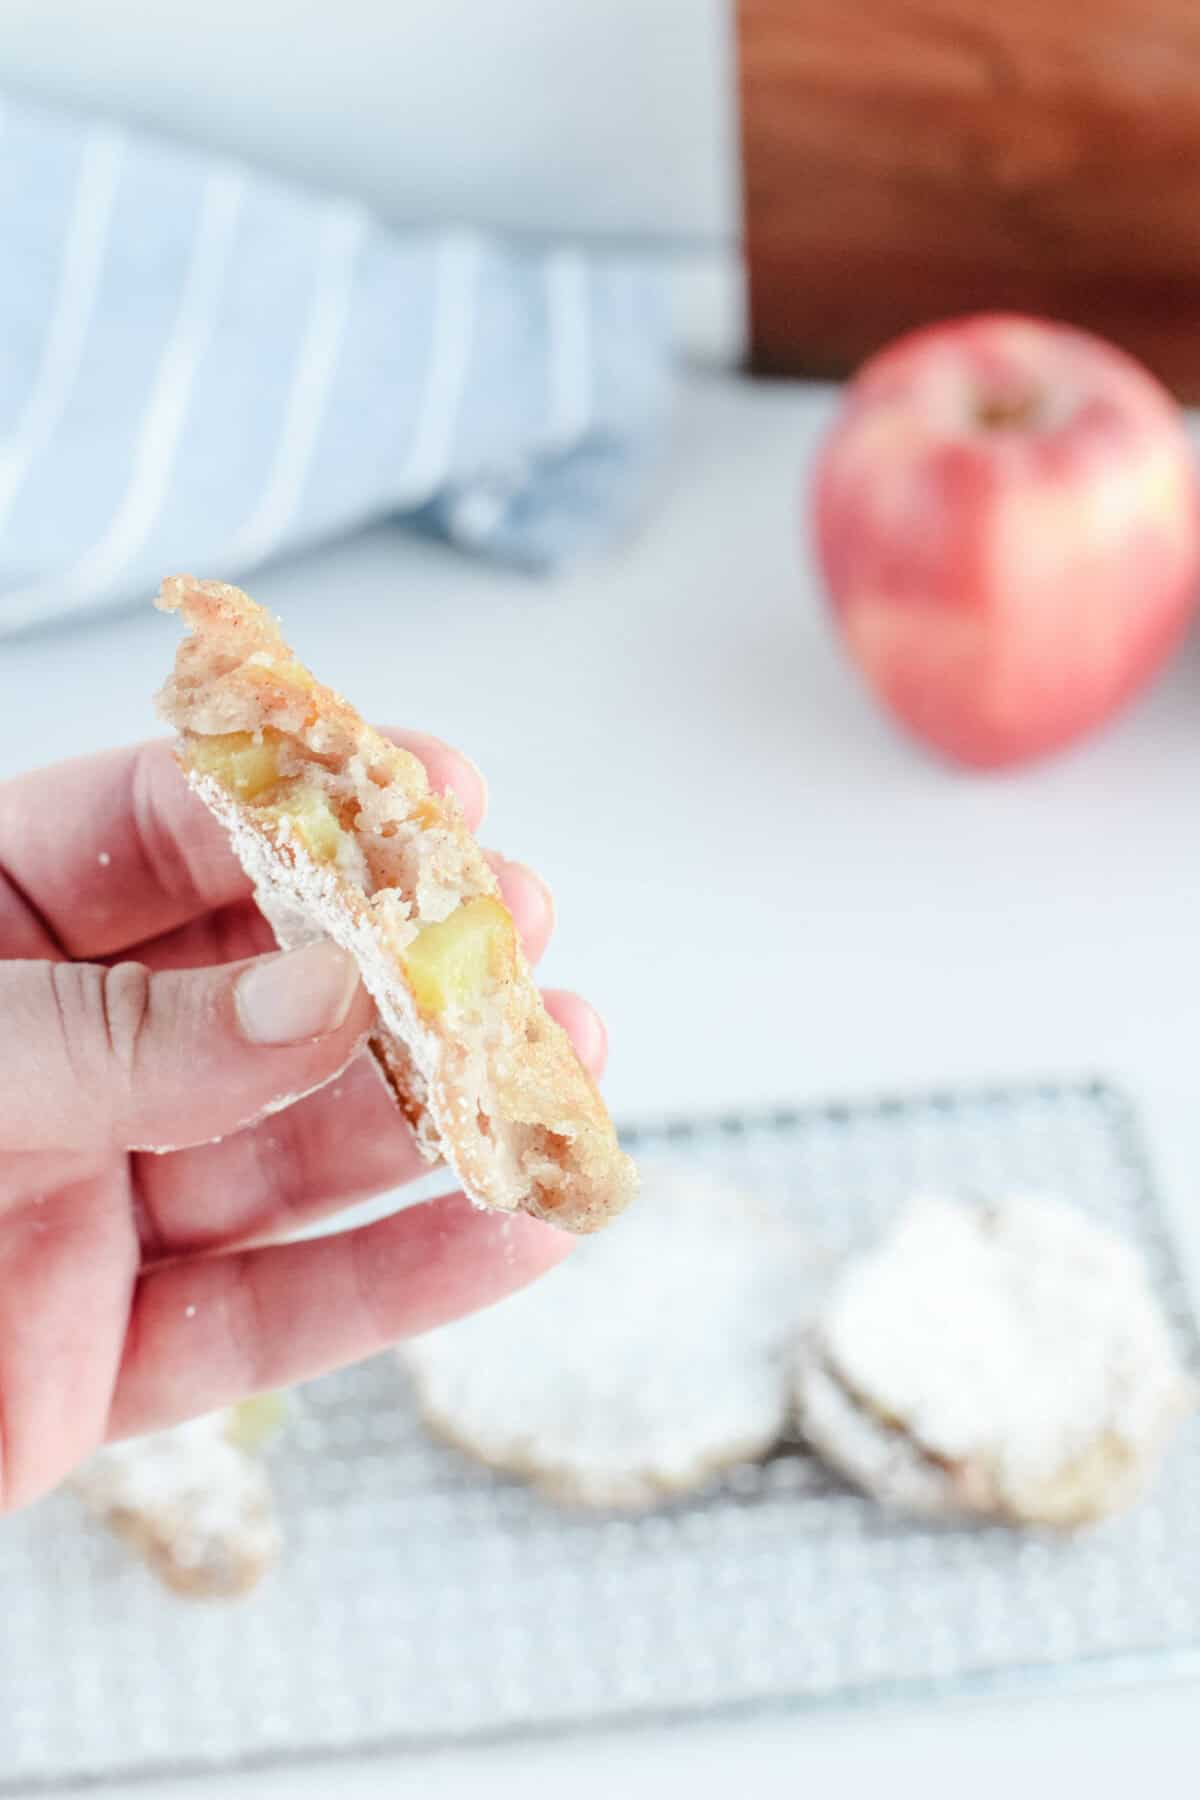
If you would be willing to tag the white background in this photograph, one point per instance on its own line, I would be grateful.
(592, 116)
(769, 894)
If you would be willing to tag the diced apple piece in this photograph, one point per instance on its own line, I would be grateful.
(251, 1422)
(247, 766)
(452, 964)
(311, 816)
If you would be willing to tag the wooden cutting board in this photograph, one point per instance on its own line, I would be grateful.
(909, 159)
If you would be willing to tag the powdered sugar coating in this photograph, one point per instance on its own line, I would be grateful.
(196, 1505)
(653, 1357)
(1006, 1359)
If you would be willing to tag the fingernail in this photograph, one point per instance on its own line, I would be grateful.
(592, 1047)
(297, 996)
(473, 768)
(535, 881)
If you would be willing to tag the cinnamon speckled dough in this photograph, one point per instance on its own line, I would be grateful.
(192, 1501)
(1005, 1360)
(655, 1356)
(347, 840)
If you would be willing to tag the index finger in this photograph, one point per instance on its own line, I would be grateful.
(112, 849)
(206, 1331)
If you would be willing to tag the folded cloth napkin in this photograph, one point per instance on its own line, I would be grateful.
(203, 368)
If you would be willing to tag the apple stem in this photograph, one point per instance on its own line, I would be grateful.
(1006, 412)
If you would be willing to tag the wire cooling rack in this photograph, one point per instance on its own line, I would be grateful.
(423, 1600)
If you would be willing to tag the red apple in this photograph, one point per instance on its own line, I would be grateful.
(1008, 522)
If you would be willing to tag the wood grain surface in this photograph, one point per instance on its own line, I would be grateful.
(909, 159)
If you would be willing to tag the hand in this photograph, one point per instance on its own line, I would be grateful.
(149, 1039)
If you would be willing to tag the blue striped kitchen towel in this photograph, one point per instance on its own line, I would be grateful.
(203, 368)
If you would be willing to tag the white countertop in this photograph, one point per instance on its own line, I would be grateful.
(771, 897)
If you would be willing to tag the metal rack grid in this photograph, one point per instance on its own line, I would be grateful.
(422, 1600)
